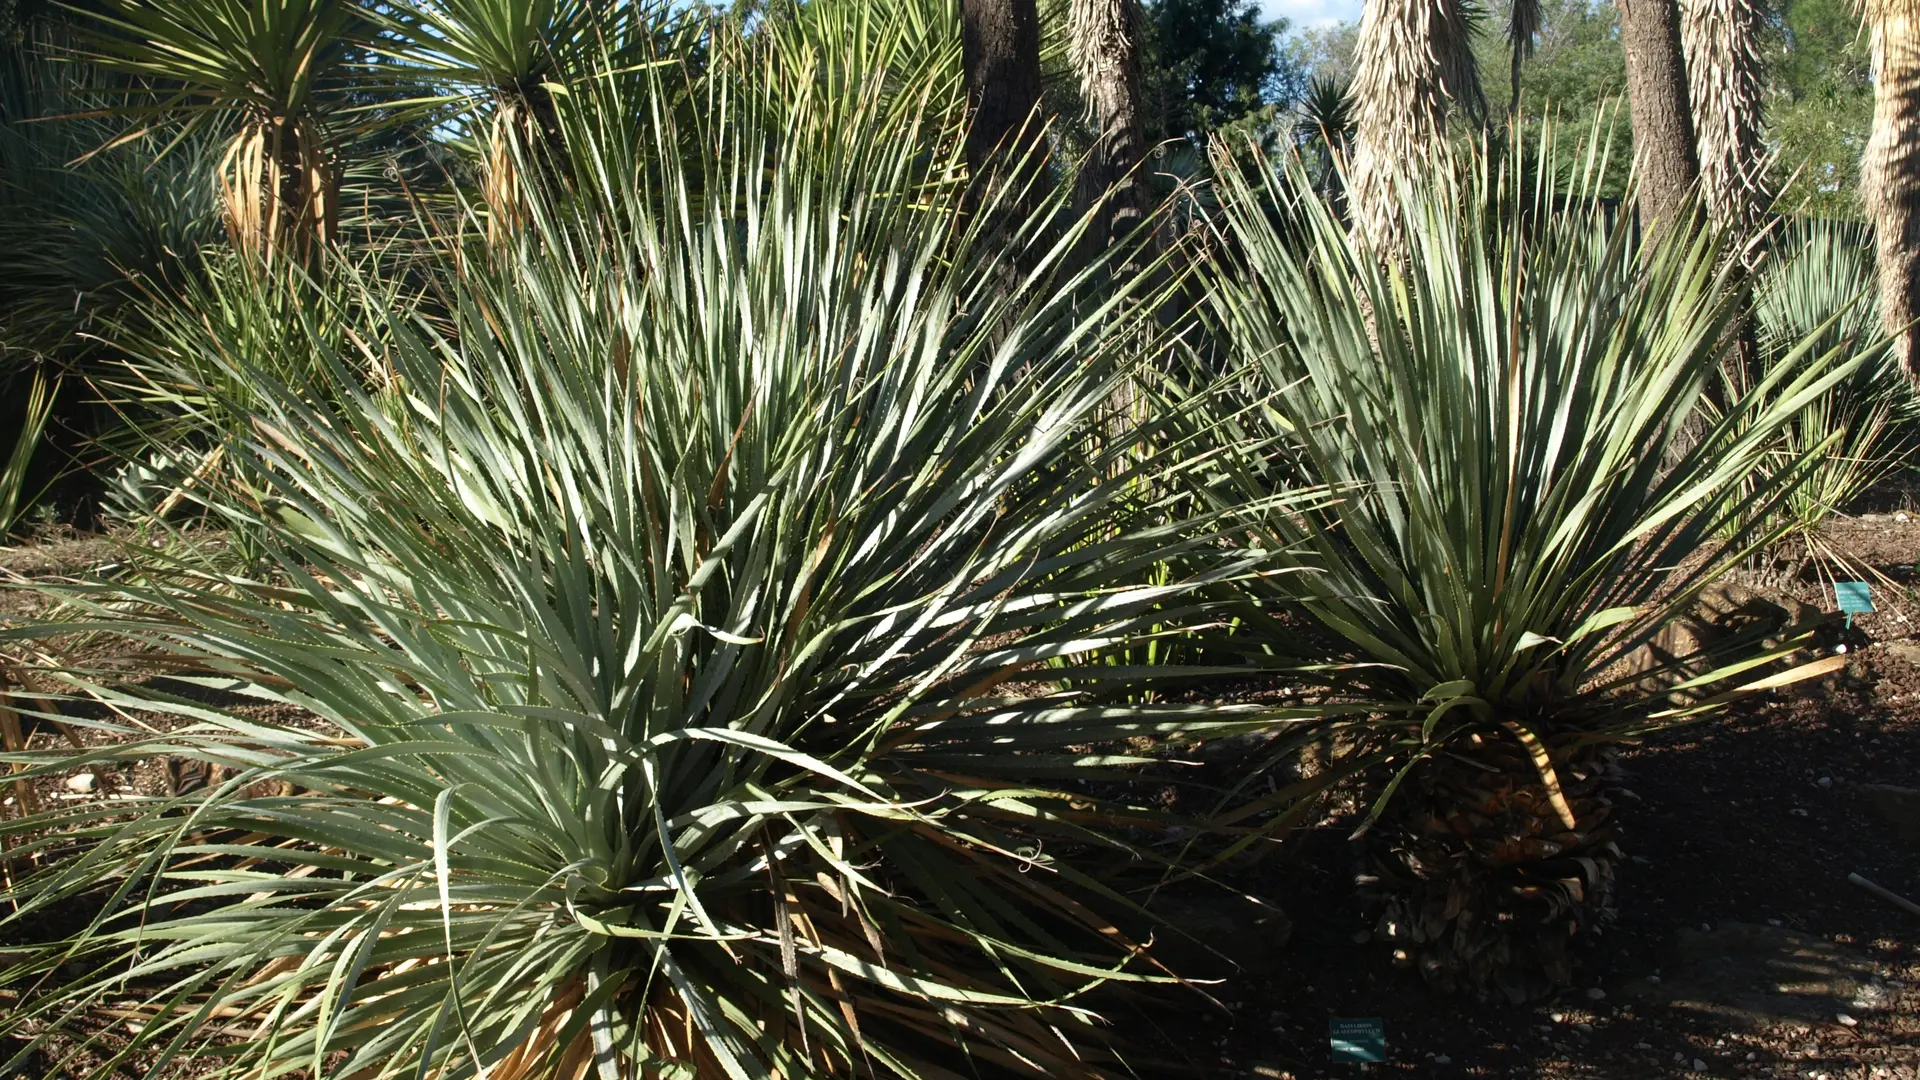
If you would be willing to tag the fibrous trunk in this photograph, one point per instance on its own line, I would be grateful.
(1890, 169)
(278, 188)
(1486, 887)
(1415, 59)
(1106, 52)
(1666, 161)
(1723, 70)
(523, 147)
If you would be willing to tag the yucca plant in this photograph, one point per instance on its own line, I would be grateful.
(269, 76)
(1493, 403)
(1822, 287)
(623, 696)
(497, 68)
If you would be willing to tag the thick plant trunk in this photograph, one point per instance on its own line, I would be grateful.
(1106, 51)
(278, 189)
(1664, 153)
(1000, 53)
(1890, 170)
(1722, 40)
(1415, 59)
(1485, 886)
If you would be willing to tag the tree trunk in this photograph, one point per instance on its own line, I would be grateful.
(1106, 51)
(1415, 59)
(1722, 39)
(1000, 54)
(1663, 148)
(1890, 170)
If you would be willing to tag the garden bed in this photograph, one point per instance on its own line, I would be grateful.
(1741, 834)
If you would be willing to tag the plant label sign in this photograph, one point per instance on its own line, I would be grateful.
(1363, 1039)
(1855, 598)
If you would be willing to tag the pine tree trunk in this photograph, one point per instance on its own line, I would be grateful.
(1663, 142)
(1890, 170)
(1000, 53)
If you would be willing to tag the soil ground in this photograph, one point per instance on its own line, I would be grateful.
(1753, 819)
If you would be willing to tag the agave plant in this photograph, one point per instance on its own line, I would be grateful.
(623, 696)
(268, 75)
(1495, 404)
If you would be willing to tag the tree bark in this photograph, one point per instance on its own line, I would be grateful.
(1414, 62)
(1106, 50)
(1665, 157)
(1000, 55)
(1722, 40)
(1890, 170)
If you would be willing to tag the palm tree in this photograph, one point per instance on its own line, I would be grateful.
(1105, 40)
(1721, 39)
(1415, 60)
(503, 56)
(273, 69)
(1495, 405)
(1890, 168)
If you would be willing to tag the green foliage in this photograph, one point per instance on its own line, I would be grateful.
(651, 579)
(1212, 65)
(15, 471)
(78, 243)
(1575, 80)
(1819, 106)
(278, 58)
(1497, 408)
(1823, 289)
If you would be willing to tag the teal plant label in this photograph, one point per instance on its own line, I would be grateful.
(1855, 598)
(1363, 1039)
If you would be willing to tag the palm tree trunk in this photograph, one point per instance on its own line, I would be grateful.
(1523, 24)
(1890, 169)
(1665, 157)
(1721, 38)
(1106, 51)
(1415, 59)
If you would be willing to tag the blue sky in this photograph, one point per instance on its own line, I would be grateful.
(1304, 13)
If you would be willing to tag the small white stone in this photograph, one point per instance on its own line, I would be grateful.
(1847, 1020)
(1558, 1018)
(1900, 516)
(1840, 649)
(1699, 1066)
(1643, 1046)
(80, 782)
(1825, 781)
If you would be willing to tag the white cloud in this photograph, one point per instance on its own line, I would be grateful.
(1305, 13)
